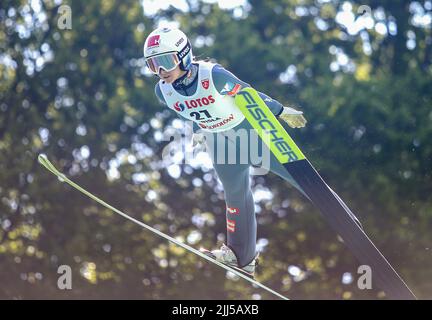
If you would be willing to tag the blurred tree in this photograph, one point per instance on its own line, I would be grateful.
(83, 97)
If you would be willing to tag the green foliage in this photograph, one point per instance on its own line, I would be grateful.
(82, 97)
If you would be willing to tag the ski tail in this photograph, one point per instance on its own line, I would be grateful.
(337, 214)
(354, 237)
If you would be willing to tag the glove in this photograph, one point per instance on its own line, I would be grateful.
(293, 118)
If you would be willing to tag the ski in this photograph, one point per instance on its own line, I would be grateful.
(334, 210)
(43, 160)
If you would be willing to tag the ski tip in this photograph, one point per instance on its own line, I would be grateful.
(42, 158)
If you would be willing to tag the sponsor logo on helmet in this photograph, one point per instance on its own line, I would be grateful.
(195, 103)
(153, 41)
(184, 51)
(179, 42)
(205, 83)
(166, 29)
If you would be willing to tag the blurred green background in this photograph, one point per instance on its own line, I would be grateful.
(83, 97)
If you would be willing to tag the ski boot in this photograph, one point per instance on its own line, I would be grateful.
(226, 256)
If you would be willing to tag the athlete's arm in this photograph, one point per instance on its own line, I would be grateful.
(227, 83)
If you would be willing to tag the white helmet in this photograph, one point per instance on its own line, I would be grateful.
(167, 48)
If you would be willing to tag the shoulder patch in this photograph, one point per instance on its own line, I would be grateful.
(231, 89)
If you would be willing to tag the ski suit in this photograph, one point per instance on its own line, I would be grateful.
(208, 100)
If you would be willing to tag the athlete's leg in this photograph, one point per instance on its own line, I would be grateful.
(240, 211)
(240, 208)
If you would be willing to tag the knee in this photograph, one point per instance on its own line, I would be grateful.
(237, 187)
(234, 179)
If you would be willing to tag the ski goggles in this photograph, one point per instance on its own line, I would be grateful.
(167, 61)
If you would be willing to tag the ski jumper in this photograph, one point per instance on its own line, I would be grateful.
(208, 100)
